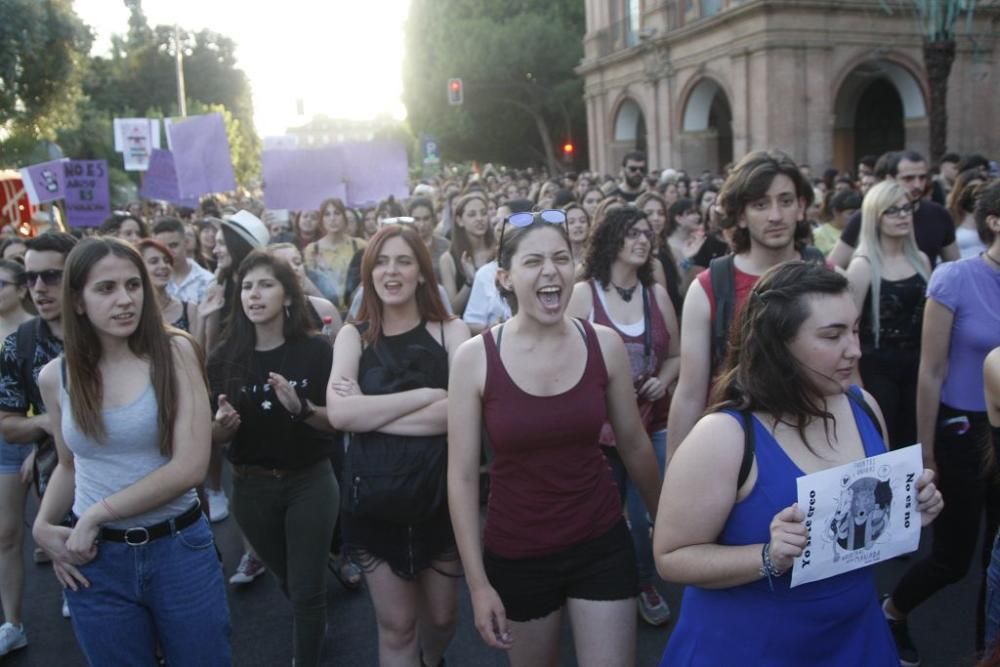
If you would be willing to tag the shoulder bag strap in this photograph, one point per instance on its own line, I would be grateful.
(749, 445)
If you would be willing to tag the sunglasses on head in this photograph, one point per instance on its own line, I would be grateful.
(553, 216)
(401, 220)
(50, 277)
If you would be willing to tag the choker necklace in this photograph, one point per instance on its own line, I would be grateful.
(625, 292)
(990, 257)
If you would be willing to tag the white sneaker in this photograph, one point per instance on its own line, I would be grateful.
(249, 569)
(12, 637)
(65, 607)
(218, 505)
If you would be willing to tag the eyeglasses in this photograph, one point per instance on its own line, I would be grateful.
(401, 220)
(901, 211)
(639, 169)
(553, 216)
(51, 277)
(633, 233)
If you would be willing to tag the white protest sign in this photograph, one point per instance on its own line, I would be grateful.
(859, 514)
(135, 139)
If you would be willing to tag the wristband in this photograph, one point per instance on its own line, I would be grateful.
(767, 568)
(114, 515)
(305, 412)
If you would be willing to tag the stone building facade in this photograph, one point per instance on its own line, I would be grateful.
(696, 83)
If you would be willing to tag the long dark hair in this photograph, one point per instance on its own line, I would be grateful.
(83, 350)
(428, 297)
(460, 242)
(233, 355)
(761, 374)
(607, 239)
(512, 238)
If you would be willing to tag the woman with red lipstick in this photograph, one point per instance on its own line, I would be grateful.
(888, 277)
(389, 386)
(130, 406)
(543, 385)
(268, 377)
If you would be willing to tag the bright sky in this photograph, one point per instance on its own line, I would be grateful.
(341, 57)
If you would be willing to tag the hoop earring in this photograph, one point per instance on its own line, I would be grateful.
(288, 313)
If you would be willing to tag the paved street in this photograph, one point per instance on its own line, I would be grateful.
(261, 621)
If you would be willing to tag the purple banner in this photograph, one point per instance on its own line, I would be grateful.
(44, 182)
(160, 180)
(361, 174)
(88, 202)
(299, 179)
(375, 169)
(201, 155)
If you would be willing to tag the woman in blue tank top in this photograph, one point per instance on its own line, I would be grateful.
(733, 541)
(130, 408)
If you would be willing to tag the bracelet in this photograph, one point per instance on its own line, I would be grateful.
(767, 568)
(114, 515)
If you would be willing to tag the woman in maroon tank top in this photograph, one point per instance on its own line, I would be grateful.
(543, 385)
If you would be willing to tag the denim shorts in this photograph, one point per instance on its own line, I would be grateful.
(12, 456)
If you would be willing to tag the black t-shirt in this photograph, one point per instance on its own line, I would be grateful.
(712, 247)
(268, 435)
(627, 196)
(932, 225)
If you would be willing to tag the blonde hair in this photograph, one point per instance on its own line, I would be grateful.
(881, 197)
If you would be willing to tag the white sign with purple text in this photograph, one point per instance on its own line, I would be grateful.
(859, 514)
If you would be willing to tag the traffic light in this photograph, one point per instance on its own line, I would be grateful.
(568, 149)
(455, 94)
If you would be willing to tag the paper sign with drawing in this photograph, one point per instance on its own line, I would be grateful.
(859, 514)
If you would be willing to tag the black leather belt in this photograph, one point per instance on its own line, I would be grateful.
(138, 536)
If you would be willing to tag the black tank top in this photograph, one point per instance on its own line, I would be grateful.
(901, 312)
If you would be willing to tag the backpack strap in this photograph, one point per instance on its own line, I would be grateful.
(722, 273)
(27, 340)
(749, 446)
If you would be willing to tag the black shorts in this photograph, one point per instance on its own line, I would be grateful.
(602, 568)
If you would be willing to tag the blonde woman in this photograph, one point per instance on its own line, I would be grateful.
(888, 278)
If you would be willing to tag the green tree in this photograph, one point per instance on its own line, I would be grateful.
(937, 21)
(516, 60)
(43, 46)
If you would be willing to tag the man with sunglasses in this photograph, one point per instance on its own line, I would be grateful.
(633, 181)
(33, 345)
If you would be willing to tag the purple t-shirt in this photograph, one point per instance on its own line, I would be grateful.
(970, 289)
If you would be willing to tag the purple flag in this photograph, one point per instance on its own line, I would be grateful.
(300, 179)
(376, 169)
(44, 182)
(88, 202)
(201, 155)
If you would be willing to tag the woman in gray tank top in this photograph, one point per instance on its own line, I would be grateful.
(133, 430)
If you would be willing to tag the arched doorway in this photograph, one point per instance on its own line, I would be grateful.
(706, 140)
(876, 105)
(630, 127)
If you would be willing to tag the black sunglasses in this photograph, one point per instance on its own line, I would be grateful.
(50, 277)
(553, 216)
(640, 169)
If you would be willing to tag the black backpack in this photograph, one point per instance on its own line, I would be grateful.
(45, 449)
(722, 274)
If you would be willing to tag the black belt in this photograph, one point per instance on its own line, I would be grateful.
(138, 536)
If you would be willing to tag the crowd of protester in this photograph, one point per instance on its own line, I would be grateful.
(540, 387)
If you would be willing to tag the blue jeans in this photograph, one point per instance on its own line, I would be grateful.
(168, 592)
(993, 596)
(635, 510)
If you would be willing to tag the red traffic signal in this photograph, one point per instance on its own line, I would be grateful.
(568, 148)
(455, 93)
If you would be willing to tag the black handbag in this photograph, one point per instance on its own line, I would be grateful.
(402, 479)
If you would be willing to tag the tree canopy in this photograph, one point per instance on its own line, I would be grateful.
(516, 60)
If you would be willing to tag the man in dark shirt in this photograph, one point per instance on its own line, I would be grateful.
(932, 224)
(633, 177)
(19, 369)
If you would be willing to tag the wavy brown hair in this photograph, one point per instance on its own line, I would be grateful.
(606, 241)
(429, 303)
(748, 182)
(761, 374)
(83, 350)
(460, 242)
